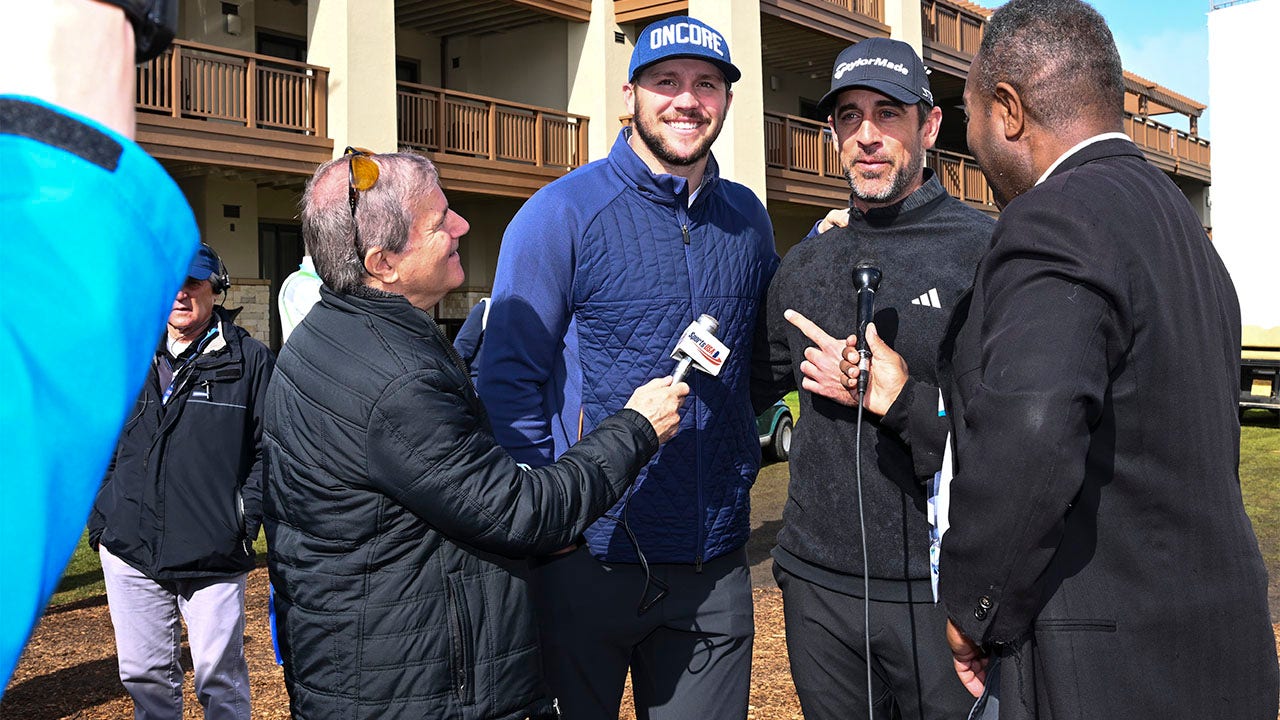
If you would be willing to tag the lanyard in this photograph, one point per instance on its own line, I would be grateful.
(177, 374)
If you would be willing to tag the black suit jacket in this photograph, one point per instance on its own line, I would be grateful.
(1098, 539)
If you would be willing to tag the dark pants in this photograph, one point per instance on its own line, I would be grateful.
(689, 655)
(912, 675)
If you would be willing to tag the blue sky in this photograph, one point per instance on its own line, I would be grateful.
(1167, 42)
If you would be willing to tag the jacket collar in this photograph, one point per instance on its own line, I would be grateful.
(1114, 147)
(660, 188)
(388, 306)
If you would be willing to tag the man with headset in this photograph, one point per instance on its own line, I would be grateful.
(181, 504)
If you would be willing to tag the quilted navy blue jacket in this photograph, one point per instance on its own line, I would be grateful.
(599, 273)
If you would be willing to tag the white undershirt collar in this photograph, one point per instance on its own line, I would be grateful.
(1077, 148)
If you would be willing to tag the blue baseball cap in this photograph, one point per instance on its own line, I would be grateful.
(204, 265)
(681, 37)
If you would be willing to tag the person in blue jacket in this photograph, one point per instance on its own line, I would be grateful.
(599, 273)
(96, 242)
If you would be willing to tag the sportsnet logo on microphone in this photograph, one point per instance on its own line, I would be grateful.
(707, 352)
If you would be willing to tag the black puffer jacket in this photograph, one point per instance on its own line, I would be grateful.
(394, 521)
(183, 495)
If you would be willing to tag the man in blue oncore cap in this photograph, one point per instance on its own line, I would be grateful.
(599, 273)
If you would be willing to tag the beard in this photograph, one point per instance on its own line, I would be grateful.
(649, 133)
(900, 179)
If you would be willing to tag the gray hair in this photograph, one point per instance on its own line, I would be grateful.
(383, 211)
(1060, 57)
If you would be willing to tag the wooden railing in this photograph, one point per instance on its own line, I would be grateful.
(1169, 142)
(456, 123)
(805, 146)
(870, 8)
(950, 25)
(801, 145)
(192, 80)
(961, 177)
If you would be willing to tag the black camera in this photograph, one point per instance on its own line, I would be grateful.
(154, 24)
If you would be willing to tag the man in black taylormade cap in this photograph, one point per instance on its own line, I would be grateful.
(926, 244)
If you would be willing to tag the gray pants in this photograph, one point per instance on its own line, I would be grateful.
(912, 673)
(145, 613)
(689, 655)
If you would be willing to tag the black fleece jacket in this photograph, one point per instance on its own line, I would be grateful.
(927, 248)
(397, 526)
(182, 497)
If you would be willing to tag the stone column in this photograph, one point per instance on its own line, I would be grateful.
(356, 40)
(597, 70)
(740, 148)
(903, 19)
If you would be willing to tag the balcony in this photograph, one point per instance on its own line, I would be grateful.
(805, 36)
(802, 165)
(962, 178)
(1170, 149)
(206, 105)
(487, 145)
(952, 32)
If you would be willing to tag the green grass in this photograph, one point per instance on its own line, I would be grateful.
(1260, 482)
(83, 577)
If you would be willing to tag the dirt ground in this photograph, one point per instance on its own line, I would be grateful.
(69, 668)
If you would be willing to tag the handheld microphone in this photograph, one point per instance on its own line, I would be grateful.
(866, 280)
(698, 347)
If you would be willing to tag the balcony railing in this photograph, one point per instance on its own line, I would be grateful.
(951, 26)
(870, 8)
(455, 123)
(1168, 142)
(961, 177)
(804, 146)
(800, 145)
(192, 80)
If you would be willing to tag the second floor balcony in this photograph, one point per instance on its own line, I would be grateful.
(803, 166)
(1170, 149)
(489, 145)
(952, 32)
(210, 105)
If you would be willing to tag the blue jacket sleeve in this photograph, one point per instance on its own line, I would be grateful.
(85, 214)
(528, 320)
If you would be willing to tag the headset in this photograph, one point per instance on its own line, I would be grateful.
(221, 280)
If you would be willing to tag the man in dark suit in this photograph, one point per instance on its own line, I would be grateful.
(1098, 552)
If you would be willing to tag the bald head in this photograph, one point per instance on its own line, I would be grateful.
(1061, 58)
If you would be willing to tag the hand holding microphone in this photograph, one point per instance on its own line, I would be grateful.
(660, 400)
(886, 377)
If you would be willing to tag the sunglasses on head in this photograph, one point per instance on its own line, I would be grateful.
(362, 174)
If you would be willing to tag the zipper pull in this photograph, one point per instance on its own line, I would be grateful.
(685, 230)
(697, 563)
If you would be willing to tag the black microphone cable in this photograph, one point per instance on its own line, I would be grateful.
(866, 582)
(646, 604)
(866, 281)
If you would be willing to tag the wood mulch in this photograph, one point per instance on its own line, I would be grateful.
(69, 667)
